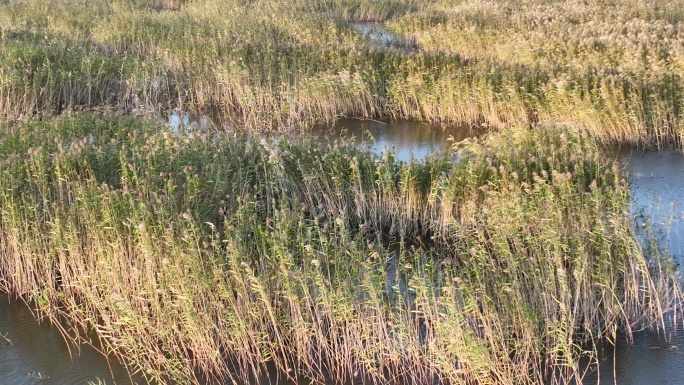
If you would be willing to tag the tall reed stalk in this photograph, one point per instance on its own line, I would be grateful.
(206, 257)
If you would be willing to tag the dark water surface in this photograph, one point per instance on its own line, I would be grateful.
(39, 355)
(36, 353)
(649, 359)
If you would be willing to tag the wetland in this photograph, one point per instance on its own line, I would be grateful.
(378, 192)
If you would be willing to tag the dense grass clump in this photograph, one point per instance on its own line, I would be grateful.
(611, 69)
(210, 255)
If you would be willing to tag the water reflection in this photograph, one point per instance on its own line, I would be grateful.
(378, 35)
(375, 33)
(649, 359)
(35, 353)
(657, 190)
(657, 186)
(185, 122)
(407, 139)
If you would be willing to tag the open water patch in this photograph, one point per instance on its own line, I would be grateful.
(649, 358)
(406, 139)
(657, 187)
(33, 352)
(182, 122)
(378, 35)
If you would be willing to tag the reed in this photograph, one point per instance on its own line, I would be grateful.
(612, 70)
(206, 257)
(215, 256)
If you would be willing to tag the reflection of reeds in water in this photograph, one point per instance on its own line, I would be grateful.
(656, 182)
(406, 139)
(4, 337)
(199, 259)
(661, 231)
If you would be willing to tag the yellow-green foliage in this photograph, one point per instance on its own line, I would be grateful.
(612, 68)
(212, 254)
(202, 256)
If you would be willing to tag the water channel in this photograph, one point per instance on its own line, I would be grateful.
(35, 353)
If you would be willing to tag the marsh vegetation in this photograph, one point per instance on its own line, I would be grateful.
(611, 68)
(209, 255)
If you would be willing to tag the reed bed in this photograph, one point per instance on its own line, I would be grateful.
(209, 257)
(213, 257)
(613, 70)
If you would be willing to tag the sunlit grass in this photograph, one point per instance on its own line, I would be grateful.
(207, 256)
(612, 69)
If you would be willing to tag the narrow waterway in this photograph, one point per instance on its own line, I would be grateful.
(35, 353)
